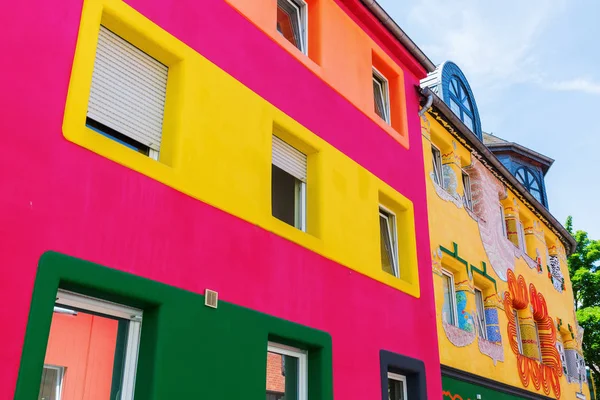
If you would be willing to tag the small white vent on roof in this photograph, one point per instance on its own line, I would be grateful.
(211, 298)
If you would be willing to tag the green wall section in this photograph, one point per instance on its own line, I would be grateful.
(467, 391)
(187, 350)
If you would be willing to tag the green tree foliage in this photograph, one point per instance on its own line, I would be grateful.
(584, 270)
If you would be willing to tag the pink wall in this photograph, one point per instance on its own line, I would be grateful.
(56, 195)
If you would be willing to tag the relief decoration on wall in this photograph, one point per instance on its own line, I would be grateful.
(546, 374)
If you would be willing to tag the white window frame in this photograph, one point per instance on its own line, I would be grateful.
(521, 235)
(468, 196)
(300, 205)
(436, 155)
(452, 296)
(60, 373)
(503, 221)
(133, 315)
(391, 219)
(518, 329)
(302, 20)
(384, 85)
(302, 356)
(482, 319)
(399, 378)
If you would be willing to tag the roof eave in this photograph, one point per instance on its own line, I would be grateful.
(545, 161)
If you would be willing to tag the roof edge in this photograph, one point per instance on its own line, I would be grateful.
(399, 34)
(489, 156)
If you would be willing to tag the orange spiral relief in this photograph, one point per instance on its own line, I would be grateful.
(545, 374)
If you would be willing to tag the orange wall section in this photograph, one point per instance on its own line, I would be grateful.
(85, 346)
(342, 54)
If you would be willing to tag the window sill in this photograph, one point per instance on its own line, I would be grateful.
(390, 130)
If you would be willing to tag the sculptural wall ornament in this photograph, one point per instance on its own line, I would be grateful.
(545, 374)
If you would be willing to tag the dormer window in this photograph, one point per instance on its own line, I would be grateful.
(460, 103)
(531, 183)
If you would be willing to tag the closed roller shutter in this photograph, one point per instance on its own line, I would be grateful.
(289, 159)
(128, 90)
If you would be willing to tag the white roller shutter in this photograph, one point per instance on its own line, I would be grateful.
(128, 90)
(289, 159)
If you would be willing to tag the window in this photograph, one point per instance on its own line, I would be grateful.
(531, 183)
(539, 343)
(521, 232)
(460, 103)
(397, 389)
(288, 184)
(563, 358)
(437, 165)
(110, 360)
(389, 244)
(467, 189)
(503, 222)
(292, 22)
(287, 372)
(481, 324)
(518, 329)
(402, 377)
(127, 97)
(51, 387)
(449, 313)
(381, 94)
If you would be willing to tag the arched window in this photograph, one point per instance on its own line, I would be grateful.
(460, 103)
(528, 179)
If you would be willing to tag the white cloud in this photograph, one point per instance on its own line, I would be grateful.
(582, 85)
(494, 42)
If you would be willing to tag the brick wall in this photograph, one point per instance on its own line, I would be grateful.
(275, 378)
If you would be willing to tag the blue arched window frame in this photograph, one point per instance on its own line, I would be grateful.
(450, 74)
(460, 102)
(531, 182)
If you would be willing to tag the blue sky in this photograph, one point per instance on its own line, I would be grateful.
(534, 69)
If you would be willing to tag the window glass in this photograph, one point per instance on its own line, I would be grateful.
(437, 165)
(381, 96)
(518, 329)
(91, 340)
(530, 181)
(563, 358)
(291, 22)
(286, 373)
(387, 229)
(449, 307)
(468, 121)
(467, 190)
(521, 231)
(397, 389)
(481, 325)
(460, 103)
(51, 383)
(539, 343)
(503, 222)
(284, 196)
(455, 107)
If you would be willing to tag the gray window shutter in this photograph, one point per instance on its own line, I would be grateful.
(289, 159)
(128, 90)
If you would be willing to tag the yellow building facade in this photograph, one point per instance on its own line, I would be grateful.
(506, 321)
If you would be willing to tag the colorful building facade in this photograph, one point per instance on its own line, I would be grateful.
(505, 312)
(215, 199)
